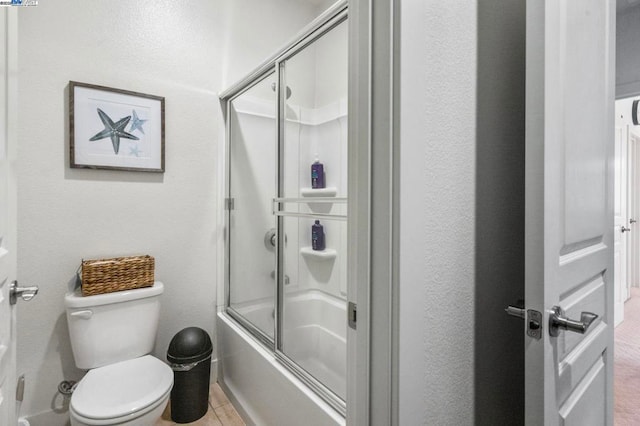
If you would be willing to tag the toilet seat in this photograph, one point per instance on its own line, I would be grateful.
(122, 391)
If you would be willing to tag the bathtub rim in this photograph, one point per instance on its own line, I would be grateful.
(275, 362)
(310, 294)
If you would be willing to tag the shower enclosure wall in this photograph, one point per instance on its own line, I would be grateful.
(286, 300)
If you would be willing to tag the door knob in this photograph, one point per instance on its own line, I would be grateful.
(632, 221)
(25, 293)
(557, 322)
(624, 229)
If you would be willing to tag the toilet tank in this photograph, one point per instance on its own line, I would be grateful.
(113, 327)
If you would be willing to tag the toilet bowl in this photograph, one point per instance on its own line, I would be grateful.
(133, 392)
(112, 335)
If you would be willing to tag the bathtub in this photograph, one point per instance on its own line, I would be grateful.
(267, 393)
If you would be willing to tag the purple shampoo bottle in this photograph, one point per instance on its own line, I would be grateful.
(317, 174)
(317, 236)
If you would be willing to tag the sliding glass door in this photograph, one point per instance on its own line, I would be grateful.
(287, 207)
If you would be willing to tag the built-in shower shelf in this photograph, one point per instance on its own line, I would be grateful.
(329, 191)
(321, 255)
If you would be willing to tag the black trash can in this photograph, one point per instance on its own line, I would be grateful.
(189, 354)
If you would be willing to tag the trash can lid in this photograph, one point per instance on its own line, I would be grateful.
(191, 344)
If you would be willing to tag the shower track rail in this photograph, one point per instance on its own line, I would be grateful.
(279, 202)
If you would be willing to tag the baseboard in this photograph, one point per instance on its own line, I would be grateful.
(214, 371)
(236, 404)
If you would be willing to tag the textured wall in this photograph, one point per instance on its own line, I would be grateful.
(184, 52)
(461, 210)
(69, 214)
(437, 222)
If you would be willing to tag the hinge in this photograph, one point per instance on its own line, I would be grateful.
(229, 203)
(351, 314)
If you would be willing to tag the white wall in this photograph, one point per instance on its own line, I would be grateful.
(437, 245)
(186, 53)
(627, 55)
(461, 212)
(251, 31)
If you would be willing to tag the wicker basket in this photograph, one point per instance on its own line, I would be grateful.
(100, 276)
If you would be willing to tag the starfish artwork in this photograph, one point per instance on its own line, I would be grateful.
(136, 123)
(112, 130)
(134, 150)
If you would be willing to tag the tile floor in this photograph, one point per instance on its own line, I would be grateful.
(626, 366)
(221, 412)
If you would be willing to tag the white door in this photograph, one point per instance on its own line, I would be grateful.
(7, 215)
(633, 199)
(569, 209)
(620, 223)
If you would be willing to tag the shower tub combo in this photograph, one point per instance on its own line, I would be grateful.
(282, 332)
(260, 383)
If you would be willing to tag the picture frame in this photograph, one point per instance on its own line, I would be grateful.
(115, 129)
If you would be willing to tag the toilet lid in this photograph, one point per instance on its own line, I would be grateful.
(123, 388)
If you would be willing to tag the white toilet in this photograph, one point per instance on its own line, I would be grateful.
(112, 335)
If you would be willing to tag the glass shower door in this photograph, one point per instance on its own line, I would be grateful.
(252, 184)
(313, 209)
(286, 265)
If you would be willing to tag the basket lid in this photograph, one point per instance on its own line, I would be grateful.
(76, 300)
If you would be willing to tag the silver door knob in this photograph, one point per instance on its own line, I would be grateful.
(557, 322)
(624, 229)
(25, 293)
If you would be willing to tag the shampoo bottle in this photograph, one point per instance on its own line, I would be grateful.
(317, 236)
(317, 174)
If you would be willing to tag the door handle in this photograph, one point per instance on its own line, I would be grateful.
(624, 229)
(632, 221)
(25, 293)
(558, 321)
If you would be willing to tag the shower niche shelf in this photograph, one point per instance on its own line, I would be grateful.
(329, 191)
(323, 198)
(319, 255)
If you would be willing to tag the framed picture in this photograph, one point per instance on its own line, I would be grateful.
(115, 129)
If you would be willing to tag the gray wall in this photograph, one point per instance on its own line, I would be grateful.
(499, 231)
(186, 53)
(628, 52)
(461, 212)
